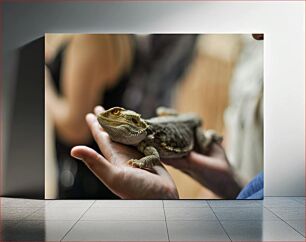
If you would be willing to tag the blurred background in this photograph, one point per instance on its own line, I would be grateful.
(218, 76)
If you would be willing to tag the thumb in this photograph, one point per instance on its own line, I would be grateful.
(101, 167)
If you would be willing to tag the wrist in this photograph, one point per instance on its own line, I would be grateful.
(233, 187)
(216, 176)
(230, 186)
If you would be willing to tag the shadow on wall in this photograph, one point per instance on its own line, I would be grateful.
(24, 168)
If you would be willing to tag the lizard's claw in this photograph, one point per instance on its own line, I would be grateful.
(136, 163)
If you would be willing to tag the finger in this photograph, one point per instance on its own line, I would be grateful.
(101, 137)
(101, 167)
(92, 121)
(258, 36)
(196, 159)
(98, 110)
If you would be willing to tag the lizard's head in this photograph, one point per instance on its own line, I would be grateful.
(123, 126)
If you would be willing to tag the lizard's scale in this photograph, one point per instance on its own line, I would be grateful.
(178, 138)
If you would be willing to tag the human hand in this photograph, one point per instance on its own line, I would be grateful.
(113, 170)
(211, 170)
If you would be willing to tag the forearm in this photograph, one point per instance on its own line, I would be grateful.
(213, 172)
(69, 129)
(226, 186)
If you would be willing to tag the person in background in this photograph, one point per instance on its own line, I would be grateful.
(82, 71)
(212, 170)
(244, 115)
(86, 70)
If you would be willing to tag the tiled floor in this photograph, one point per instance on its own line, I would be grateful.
(274, 219)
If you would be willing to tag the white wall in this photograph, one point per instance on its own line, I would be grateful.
(282, 22)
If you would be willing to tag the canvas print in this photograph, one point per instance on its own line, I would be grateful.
(154, 116)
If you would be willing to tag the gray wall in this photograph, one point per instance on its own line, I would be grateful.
(282, 23)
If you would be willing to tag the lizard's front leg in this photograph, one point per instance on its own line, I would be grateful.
(205, 139)
(150, 159)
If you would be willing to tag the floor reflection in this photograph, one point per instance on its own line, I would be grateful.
(26, 230)
(105, 220)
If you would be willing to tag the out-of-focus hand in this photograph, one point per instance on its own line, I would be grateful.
(212, 170)
(112, 167)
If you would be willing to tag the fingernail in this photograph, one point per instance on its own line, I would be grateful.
(89, 116)
(100, 107)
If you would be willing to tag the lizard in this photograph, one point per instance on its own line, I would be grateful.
(168, 135)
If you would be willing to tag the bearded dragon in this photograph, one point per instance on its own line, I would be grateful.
(169, 135)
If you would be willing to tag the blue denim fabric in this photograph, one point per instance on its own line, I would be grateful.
(254, 190)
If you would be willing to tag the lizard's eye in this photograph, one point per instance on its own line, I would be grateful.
(134, 120)
(115, 111)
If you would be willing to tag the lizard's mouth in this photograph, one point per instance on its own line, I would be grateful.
(113, 123)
